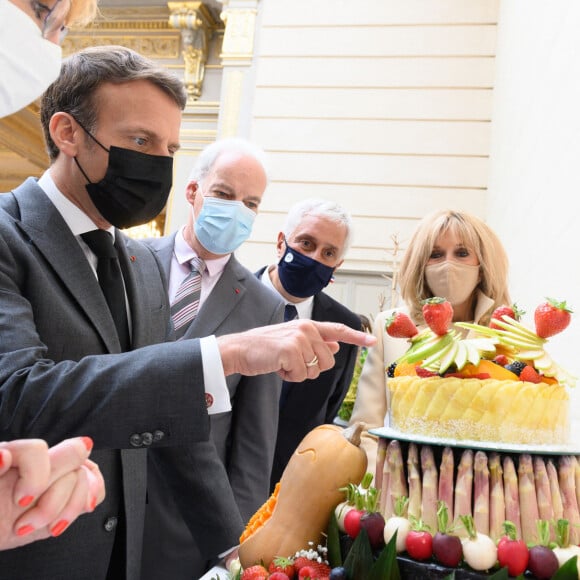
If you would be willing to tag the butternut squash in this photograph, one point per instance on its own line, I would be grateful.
(327, 459)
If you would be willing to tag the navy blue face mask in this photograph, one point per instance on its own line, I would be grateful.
(302, 276)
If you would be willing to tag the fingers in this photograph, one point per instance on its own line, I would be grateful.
(30, 457)
(38, 466)
(73, 506)
(96, 485)
(68, 455)
(5, 460)
(70, 496)
(51, 509)
(336, 332)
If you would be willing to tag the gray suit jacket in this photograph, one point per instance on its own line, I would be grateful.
(245, 437)
(147, 402)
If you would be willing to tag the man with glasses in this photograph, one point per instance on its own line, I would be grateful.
(31, 33)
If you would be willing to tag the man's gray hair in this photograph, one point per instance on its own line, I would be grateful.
(322, 208)
(209, 155)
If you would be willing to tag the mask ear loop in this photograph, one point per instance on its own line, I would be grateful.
(90, 135)
(94, 139)
(81, 169)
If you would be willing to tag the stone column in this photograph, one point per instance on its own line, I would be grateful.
(237, 54)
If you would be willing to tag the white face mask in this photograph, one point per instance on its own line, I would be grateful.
(452, 280)
(28, 62)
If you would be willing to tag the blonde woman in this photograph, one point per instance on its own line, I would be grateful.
(451, 254)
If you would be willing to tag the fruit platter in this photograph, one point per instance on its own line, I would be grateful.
(476, 473)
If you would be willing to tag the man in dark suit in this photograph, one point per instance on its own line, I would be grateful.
(111, 121)
(312, 246)
(229, 173)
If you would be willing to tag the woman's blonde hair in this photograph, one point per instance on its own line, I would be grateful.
(474, 234)
(82, 12)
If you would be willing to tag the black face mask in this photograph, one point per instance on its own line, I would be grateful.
(135, 187)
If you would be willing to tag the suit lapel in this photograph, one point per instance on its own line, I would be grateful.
(135, 285)
(320, 308)
(163, 247)
(51, 236)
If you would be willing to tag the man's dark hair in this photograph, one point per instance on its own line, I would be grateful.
(85, 71)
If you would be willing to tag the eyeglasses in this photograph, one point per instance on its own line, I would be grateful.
(53, 27)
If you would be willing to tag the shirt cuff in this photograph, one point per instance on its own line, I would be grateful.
(217, 396)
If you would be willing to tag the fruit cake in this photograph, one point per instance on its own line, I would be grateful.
(498, 384)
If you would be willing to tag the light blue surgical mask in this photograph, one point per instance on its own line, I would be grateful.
(222, 226)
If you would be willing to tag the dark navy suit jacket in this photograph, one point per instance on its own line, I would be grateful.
(315, 402)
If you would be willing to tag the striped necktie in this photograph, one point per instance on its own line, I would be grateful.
(186, 302)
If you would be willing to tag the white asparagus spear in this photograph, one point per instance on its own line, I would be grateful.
(397, 480)
(414, 479)
(429, 503)
(568, 491)
(577, 477)
(385, 504)
(380, 462)
(528, 499)
(497, 498)
(481, 493)
(463, 489)
(511, 494)
(446, 474)
(557, 504)
(543, 494)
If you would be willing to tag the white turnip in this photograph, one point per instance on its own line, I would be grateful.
(479, 550)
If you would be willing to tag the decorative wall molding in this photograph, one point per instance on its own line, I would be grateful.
(196, 24)
(240, 29)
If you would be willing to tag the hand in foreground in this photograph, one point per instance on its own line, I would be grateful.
(42, 490)
(296, 350)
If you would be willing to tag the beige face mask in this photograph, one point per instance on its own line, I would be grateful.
(452, 280)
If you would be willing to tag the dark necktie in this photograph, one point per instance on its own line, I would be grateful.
(290, 313)
(186, 302)
(110, 280)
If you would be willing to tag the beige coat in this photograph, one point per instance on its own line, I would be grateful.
(371, 399)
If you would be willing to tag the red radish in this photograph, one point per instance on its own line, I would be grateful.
(512, 553)
(352, 522)
(446, 547)
(419, 542)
